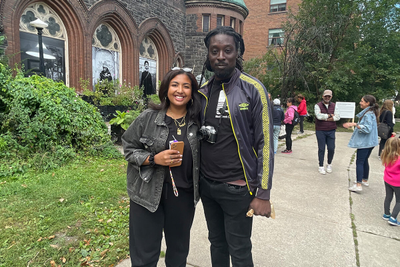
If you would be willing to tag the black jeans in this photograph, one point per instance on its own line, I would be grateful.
(229, 230)
(325, 138)
(175, 216)
(390, 190)
(289, 130)
(381, 145)
(302, 124)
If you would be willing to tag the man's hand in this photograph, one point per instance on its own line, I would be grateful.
(261, 207)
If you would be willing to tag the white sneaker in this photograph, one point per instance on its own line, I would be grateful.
(321, 170)
(363, 183)
(329, 168)
(355, 188)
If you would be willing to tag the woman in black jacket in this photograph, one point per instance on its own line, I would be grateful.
(386, 116)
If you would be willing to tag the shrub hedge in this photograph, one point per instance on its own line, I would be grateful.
(46, 120)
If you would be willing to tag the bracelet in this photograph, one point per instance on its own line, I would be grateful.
(151, 159)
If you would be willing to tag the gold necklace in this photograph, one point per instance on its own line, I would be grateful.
(180, 124)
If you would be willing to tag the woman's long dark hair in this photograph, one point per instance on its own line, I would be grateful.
(372, 105)
(193, 107)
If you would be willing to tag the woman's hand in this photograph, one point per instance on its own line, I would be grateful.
(167, 157)
(349, 124)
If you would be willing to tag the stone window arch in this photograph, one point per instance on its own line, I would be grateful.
(106, 54)
(55, 42)
(148, 66)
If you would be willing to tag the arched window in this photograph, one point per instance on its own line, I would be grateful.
(148, 62)
(54, 42)
(106, 54)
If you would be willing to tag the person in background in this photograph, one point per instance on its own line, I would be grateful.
(386, 116)
(163, 198)
(279, 116)
(146, 81)
(391, 160)
(364, 138)
(302, 110)
(325, 130)
(288, 121)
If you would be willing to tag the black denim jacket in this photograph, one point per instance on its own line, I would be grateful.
(147, 134)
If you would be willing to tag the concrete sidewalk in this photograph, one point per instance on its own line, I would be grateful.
(313, 225)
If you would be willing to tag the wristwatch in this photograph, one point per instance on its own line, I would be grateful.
(151, 159)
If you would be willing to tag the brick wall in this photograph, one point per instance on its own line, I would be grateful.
(259, 22)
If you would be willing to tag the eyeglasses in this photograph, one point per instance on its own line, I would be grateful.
(327, 96)
(184, 69)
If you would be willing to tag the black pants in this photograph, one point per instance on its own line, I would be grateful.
(389, 196)
(229, 230)
(175, 216)
(381, 145)
(302, 124)
(289, 130)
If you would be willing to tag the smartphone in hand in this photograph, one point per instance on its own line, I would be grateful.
(177, 146)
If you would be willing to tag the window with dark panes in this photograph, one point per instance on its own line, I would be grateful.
(53, 41)
(275, 37)
(233, 20)
(277, 5)
(220, 20)
(206, 23)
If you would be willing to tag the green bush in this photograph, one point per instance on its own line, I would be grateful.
(44, 124)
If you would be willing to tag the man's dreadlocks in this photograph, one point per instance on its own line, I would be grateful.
(239, 44)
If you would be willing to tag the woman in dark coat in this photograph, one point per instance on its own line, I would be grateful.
(386, 116)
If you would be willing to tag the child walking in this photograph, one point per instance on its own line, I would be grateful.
(391, 160)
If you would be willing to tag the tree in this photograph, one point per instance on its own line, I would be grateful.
(332, 45)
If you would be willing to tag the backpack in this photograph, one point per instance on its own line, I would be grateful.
(296, 118)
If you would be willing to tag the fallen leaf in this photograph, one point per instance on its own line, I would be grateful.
(24, 185)
(53, 264)
(87, 242)
(51, 237)
(101, 220)
(85, 263)
(111, 243)
(3, 182)
(40, 239)
(61, 199)
(53, 174)
(64, 260)
(102, 170)
(69, 227)
(71, 249)
(8, 227)
(54, 246)
(109, 220)
(103, 252)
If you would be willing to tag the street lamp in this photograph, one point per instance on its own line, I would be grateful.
(40, 25)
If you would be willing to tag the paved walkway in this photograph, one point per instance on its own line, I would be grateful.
(318, 221)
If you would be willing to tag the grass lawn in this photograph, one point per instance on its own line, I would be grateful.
(76, 215)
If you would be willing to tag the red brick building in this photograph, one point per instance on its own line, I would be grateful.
(263, 25)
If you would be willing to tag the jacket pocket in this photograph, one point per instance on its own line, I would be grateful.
(148, 142)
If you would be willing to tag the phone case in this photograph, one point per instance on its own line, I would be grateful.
(177, 146)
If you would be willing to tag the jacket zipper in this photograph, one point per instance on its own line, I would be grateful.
(237, 142)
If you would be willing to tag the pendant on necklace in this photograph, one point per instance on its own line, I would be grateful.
(178, 131)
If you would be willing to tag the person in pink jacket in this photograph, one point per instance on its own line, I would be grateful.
(391, 160)
(289, 115)
(302, 110)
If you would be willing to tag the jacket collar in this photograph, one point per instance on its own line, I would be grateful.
(227, 86)
(363, 112)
